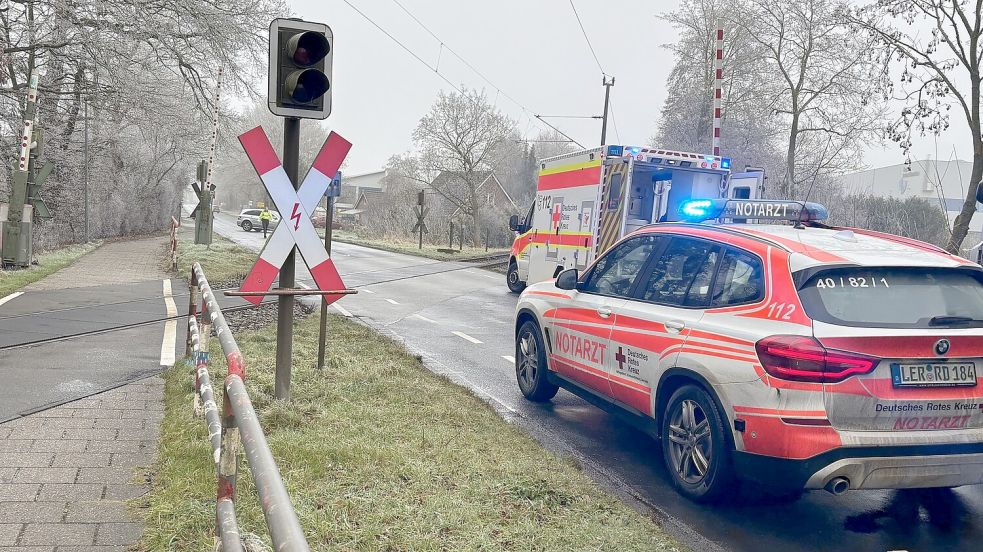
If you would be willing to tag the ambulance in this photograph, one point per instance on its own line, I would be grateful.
(588, 200)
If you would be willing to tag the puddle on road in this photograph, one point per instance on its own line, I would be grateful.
(907, 509)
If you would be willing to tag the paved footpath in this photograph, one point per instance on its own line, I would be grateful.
(67, 472)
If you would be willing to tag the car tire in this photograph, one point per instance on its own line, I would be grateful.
(531, 371)
(512, 279)
(247, 226)
(695, 449)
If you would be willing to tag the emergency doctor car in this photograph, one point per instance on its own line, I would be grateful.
(786, 352)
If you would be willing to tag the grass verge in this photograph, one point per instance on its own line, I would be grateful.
(222, 261)
(48, 263)
(411, 247)
(378, 453)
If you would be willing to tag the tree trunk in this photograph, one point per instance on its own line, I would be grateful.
(960, 227)
(793, 136)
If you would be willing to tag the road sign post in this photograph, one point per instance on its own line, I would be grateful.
(202, 212)
(421, 215)
(334, 190)
(295, 203)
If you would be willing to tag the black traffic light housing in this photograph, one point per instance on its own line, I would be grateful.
(300, 69)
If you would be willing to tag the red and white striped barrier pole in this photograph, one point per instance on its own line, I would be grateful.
(718, 85)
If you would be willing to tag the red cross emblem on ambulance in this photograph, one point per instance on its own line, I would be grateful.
(297, 229)
(556, 216)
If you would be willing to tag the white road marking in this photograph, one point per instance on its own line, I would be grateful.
(392, 302)
(492, 276)
(425, 319)
(303, 285)
(341, 309)
(508, 358)
(369, 291)
(170, 328)
(466, 337)
(11, 297)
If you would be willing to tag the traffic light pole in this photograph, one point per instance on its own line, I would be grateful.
(285, 303)
(323, 330)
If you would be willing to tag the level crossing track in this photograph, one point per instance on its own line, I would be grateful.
(481, 262)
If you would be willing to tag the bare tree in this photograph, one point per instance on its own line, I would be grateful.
(750, 129)
(815, 75)
(456, 142)
(145, 73)
(939, 70)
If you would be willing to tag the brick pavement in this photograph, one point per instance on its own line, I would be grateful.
(67, 472)
(117, 262)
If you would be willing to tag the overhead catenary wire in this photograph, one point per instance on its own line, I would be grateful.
(443, 46)
(589, 45)
(600, 68)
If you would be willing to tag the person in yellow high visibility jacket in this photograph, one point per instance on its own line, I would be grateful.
(265, 217)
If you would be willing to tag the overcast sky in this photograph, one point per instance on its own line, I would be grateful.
(532, 50)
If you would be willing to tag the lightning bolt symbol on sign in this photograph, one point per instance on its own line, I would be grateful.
(295, 215)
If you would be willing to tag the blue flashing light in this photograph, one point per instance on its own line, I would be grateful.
(634, 150)
(696, 209)
(725, 163)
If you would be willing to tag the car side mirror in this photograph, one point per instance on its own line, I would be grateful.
(567, 279)
(514, 223)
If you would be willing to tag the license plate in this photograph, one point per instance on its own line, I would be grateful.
(934, 374)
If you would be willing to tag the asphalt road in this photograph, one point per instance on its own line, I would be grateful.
(459, 319)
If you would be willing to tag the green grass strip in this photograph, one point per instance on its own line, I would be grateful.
(379, 453)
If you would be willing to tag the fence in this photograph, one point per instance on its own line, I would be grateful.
(236, 425)
(174, 226)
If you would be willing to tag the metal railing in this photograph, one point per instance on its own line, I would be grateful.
(237, 425)
(174, 226)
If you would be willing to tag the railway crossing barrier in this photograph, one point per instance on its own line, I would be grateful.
(237, 426)
(174, 226)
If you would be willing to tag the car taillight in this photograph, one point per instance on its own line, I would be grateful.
(801, 358)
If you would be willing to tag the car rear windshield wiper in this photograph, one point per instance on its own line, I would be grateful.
(953, 320)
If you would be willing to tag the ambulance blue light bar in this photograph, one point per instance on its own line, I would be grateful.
(698, 210)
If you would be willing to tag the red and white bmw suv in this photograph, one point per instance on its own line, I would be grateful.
(799, 355)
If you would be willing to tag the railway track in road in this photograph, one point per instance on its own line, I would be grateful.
(481, 262)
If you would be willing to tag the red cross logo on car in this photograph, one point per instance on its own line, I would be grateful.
(620, 357)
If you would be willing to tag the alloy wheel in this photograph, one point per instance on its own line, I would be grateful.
(528, 360)
(690, 445)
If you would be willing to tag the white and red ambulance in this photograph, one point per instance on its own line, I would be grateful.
(791, 353)
(587, 200)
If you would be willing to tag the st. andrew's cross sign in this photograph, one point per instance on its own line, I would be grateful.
(295, 207)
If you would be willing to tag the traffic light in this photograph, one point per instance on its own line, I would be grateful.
(300, 69)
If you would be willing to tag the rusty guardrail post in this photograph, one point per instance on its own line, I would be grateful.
(174, 226)
(192, 310)
(239, 421)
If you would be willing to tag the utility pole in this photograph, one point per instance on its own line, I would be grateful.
(334, 190)
(607, 98)
(285, 303)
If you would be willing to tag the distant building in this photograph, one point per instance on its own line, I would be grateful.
(944, 183)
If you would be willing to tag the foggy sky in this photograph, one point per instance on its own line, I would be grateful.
(533, 50)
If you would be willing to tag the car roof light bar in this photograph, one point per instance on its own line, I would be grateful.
(699, 210)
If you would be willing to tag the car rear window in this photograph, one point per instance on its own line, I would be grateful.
(894, 297)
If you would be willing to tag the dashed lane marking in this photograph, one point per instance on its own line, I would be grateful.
(508, 358)
(11, 297)
(369, 291)
(424, 318)
(392, 302)
(466, 337)
(341, 309)
(170, 328)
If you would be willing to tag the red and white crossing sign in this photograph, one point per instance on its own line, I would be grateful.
(295, 226)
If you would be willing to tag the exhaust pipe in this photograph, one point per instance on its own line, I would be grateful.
(838, 485)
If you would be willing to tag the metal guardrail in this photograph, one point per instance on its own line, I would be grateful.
(237, 425)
